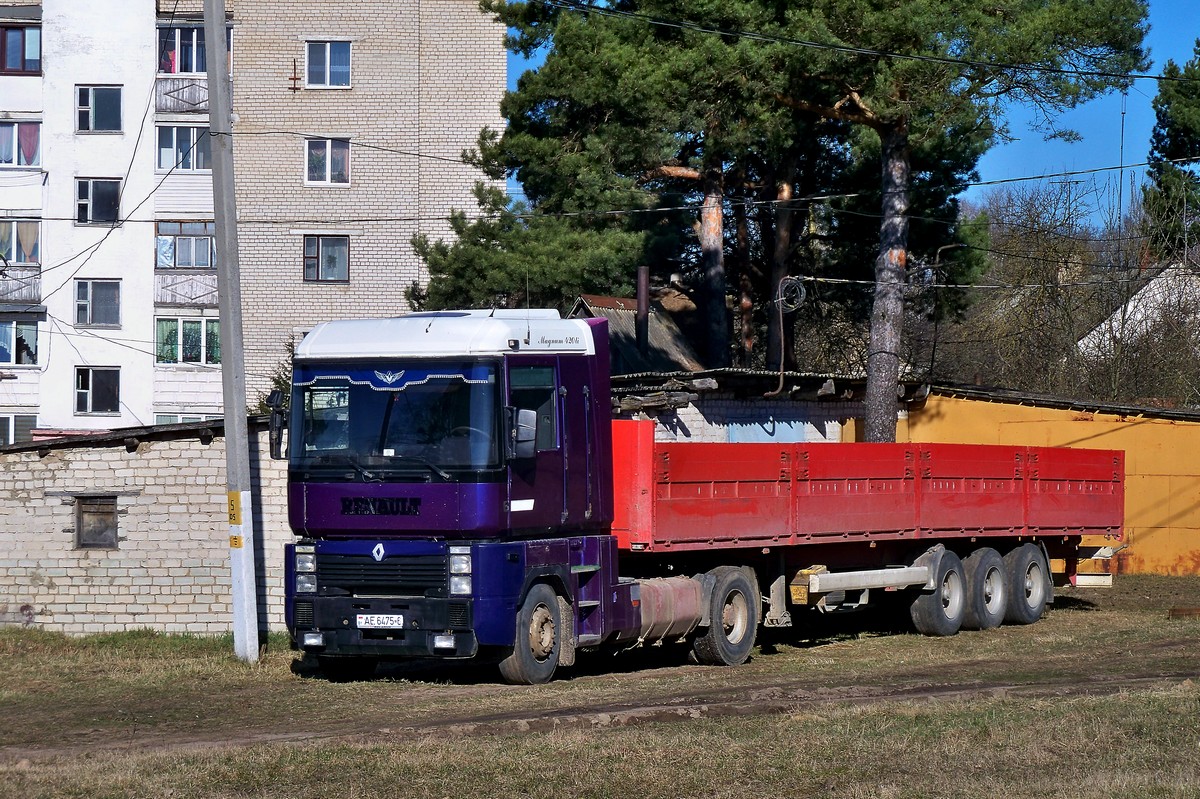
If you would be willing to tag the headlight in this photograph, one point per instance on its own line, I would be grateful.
(306, 562)
(460, 564)
(460, 584)
(306, 583)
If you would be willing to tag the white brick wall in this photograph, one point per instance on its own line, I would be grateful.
(170, 570)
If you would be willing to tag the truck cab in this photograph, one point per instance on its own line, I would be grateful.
(436, 464)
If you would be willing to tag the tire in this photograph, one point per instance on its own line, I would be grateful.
(347, 669)
(987, 589)
(1029, 584)
(940, 612)
(534, 655)
(733, 613)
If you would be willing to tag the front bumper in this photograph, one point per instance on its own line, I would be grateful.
(430, 627)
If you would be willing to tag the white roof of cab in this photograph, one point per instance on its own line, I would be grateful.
(448, 333)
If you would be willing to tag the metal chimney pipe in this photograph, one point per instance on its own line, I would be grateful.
(642, 320)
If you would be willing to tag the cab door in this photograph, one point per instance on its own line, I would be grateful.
(536, 499)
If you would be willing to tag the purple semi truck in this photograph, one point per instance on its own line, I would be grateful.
(458, 488)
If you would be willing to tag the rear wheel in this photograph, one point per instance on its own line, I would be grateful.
(534, 656)
(940, 611)
(1029, 584)
(987, 589)
(733, 615)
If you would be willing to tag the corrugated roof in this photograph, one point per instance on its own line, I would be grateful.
(667, 349)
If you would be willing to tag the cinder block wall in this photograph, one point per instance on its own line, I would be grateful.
(170, 570)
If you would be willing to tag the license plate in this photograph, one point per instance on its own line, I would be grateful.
(379, 621)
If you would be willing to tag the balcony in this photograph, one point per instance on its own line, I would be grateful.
(20, 285)
(185, 288)
(186, 94)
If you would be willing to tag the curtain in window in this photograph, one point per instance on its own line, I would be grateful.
(106, 302)
(26, 343)
(212, 340)
(192, 340)
(165, 252)
(339, 63)
(28, 235)
(29, 138)
(339, 162)
(166, 338)
(316, 160)
(335, 257)
(7, 155)
(6, 343)
(6, 241)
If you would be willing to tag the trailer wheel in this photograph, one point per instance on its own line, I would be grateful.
(733, 614)
(347, 669)
(1029, 581)
(940, 611)
(987, 589)
(534, 656)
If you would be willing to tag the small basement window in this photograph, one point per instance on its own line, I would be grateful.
(96, 522)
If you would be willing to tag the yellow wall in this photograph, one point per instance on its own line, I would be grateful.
(1162, 466)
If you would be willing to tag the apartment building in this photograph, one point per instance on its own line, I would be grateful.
(349, 120)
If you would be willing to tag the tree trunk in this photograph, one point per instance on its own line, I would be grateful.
(887, 312)
(712, 247)
(745, 309)
(779, 355)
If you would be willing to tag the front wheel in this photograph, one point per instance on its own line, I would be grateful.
(733, 620)
(940, 612)
(1029, 584)
(534, 656)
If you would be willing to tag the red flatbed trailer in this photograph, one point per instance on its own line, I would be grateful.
(677, 497)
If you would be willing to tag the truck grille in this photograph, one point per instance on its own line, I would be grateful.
(423, 575)
(303, 614)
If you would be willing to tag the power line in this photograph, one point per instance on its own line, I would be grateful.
(587, 8)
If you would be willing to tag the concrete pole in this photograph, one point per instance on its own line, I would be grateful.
(233, 372)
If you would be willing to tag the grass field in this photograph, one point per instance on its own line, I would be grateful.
(1101, 698)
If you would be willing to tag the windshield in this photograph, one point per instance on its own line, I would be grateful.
(421, 419)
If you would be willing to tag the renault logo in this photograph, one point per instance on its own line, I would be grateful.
(377, 552)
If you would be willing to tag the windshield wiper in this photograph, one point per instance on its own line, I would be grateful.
(433, 467)
(352, 462)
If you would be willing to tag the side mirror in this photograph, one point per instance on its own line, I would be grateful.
(276, 424)
(522, 436)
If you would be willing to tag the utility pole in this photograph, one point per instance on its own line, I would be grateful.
(233, 372)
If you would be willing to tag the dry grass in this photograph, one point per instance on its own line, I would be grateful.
(144, 715)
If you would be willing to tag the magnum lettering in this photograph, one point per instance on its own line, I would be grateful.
(387, 506)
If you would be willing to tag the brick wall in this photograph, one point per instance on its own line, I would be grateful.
(170, 570)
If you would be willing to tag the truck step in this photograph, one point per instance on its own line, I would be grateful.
(587, 604)
(589, 640)
(585, 569)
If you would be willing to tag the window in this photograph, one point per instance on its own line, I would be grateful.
(187, 340)
(16, 428)
(20, 143)
(97, 389)
(96, 201)
(20, 241)
(328, 161)
(98, 108)
(96, 522)
(18, 342)
(184, 147)
(98, 302)
(181, 50)
(186, 245)
(21, 49)
(328, 64)
(533, 388)
(327, 258)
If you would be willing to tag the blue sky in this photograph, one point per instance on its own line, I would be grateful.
(1174, 28)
